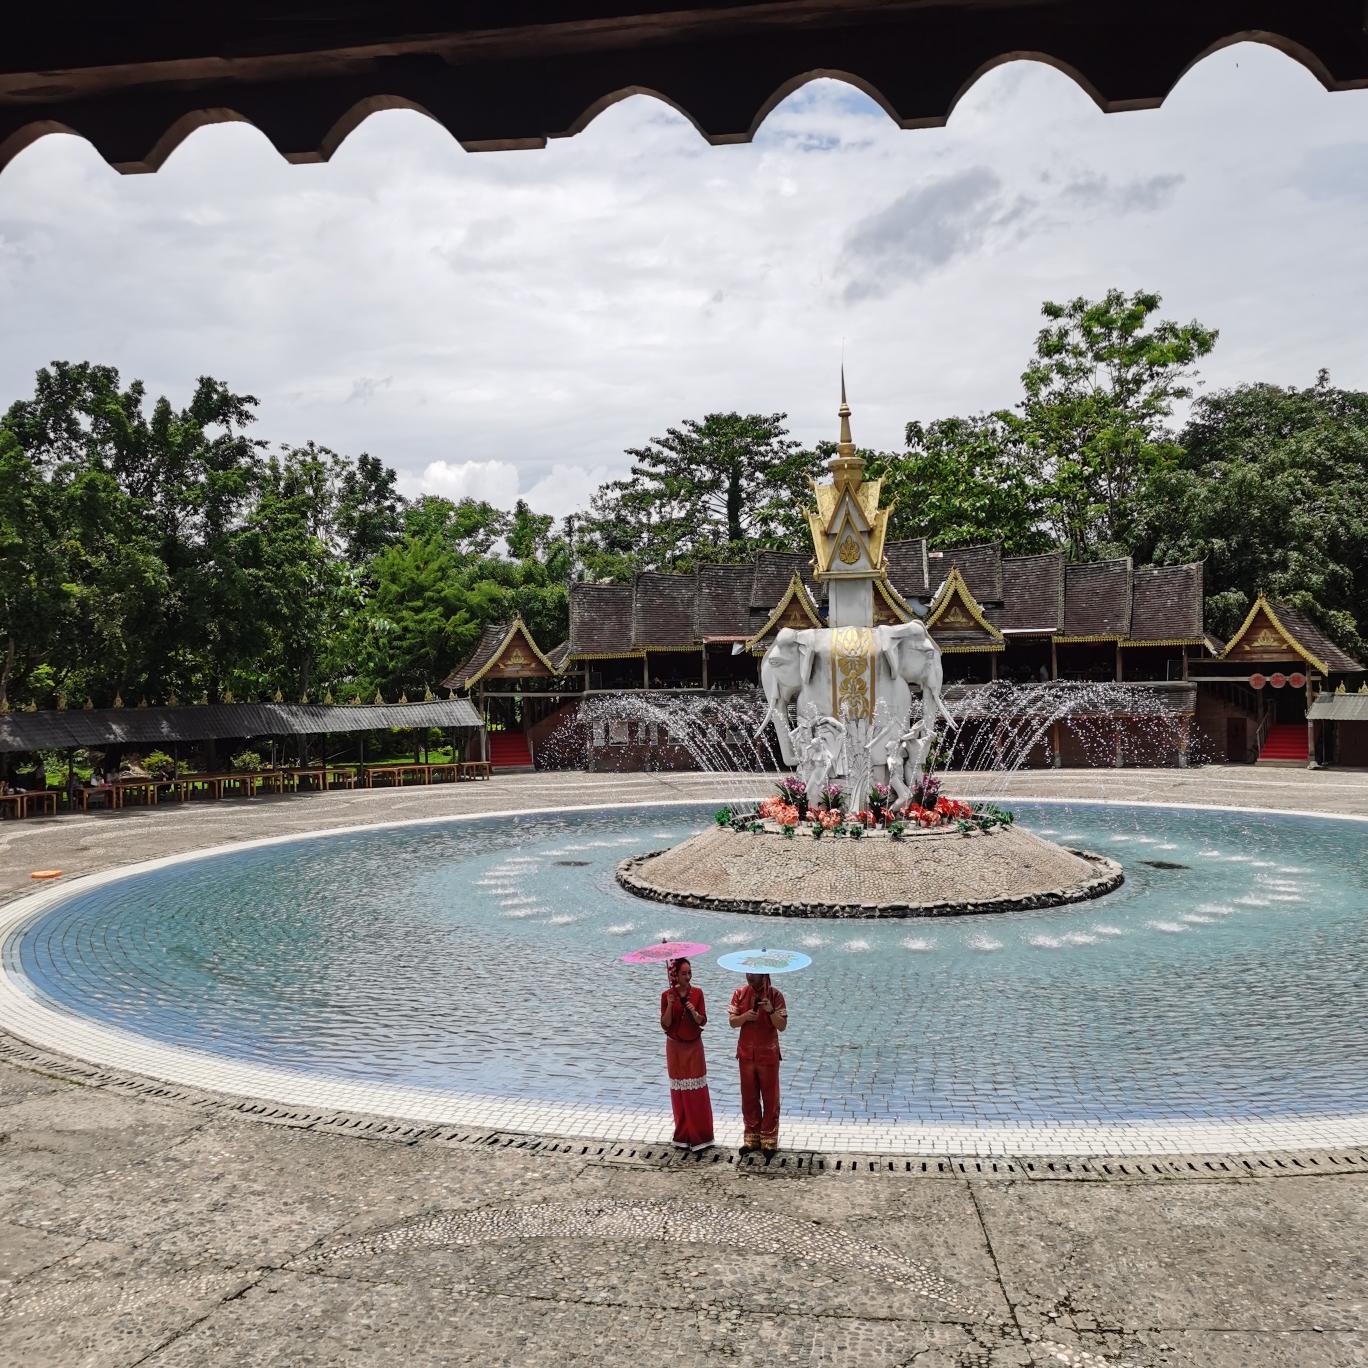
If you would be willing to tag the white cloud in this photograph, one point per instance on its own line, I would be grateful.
(495, 482)
(540, 311)
(567, 489)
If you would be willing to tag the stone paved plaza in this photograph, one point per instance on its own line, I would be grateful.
(146, 1224)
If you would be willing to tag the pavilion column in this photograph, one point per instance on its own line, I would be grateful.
(1054, 659)
(992, 665)
(704, 651)
(1118, 663)
(645, 670)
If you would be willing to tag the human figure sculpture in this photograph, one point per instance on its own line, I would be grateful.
(906, 761)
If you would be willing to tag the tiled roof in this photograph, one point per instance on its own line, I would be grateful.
(1167, 603)
(663, 611)
(981, 567)
(1310, 638)
(161, 726)
(558, 655)
(1032, 594)
(490, 641)
(773, 571)
(1097, 599)
(600, 620)
(907, 568)
(724, 601)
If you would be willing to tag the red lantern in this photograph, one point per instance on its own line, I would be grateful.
(1257, 681)
(1278, 680)
(1297, 681)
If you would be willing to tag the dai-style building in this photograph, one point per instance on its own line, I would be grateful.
(1026, 619)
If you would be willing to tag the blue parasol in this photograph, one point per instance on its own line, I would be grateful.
(764, 961)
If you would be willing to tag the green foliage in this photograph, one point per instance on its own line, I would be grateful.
(1099, 391)
(1071, 465)
(159, 765)
(707, 491)
(244, 761)
(1272, 493)
(964, 481)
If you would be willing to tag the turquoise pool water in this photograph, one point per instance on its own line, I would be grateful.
(1226, 978)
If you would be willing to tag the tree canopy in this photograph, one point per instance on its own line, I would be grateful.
(150, 552)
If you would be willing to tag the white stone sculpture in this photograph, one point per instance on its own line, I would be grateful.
(852, 677)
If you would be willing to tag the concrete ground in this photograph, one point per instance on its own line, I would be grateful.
(146, 1225)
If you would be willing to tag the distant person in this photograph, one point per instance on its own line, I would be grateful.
(682, 1018)
(759, 1012)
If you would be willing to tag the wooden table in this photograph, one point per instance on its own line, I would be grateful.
(474, 769)
(14, 800)
(83, 796)
(147, 788)
(395, 774)
(325, 777)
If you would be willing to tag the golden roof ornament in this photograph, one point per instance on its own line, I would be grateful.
(848, 527)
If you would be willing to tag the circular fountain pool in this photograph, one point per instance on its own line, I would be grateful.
(1224, 980)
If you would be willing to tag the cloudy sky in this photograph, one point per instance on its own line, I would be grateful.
(505, 323)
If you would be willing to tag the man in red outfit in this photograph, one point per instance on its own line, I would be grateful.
(758, 1011)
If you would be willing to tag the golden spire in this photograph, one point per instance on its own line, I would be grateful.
(846, 446)
(847, 469)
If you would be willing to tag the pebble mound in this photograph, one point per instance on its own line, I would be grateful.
(933, 874)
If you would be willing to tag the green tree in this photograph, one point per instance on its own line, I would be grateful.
(1272, 493)
(963, 481)
(1099, 392)
(468, 528)
(715, 489)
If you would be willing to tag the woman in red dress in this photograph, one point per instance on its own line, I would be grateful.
(682, 1018)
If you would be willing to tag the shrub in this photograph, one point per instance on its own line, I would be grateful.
(247, 760)
(159, 765)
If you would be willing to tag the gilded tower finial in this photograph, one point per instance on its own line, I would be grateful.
(847, 469)
(846, 446)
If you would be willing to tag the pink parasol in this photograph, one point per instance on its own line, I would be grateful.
(666, 951)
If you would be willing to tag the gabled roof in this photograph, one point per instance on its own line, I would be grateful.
(1167, 606)
(889, 605)
(1274, 630)
(601, 621)
(956, 620)
(795, 609)
(1032, 594)
(981, 567)
(558, 656)
(723, 609)
(505, 649)
(1097, 601)
(663, 611)
(905, 563)
(773, 572)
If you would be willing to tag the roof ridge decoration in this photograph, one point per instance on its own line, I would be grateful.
(1261, 603)
(517, 626)
(796, 590)
(960, 611)
(883, 586)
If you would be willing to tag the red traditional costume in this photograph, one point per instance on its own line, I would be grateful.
(757, 1051)
(686, 1066)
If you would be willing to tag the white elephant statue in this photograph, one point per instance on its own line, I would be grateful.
(858, 677)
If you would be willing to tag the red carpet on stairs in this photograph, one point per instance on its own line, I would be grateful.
(509, 750)
(1286, 741)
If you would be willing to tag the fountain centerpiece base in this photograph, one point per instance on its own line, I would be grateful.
(927, 874)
